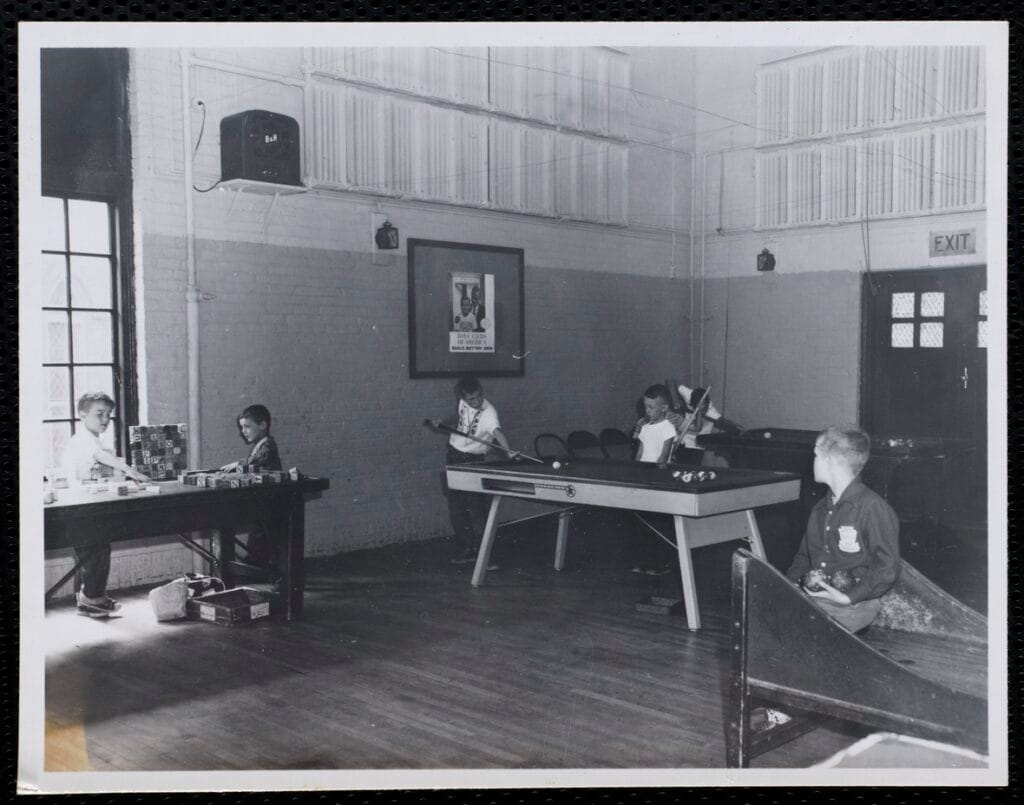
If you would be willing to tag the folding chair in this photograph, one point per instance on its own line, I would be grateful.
(548, 446)
(616, 444)
(584, 444)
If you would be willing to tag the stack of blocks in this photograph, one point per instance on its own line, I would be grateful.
(159, 451)
(248, 476)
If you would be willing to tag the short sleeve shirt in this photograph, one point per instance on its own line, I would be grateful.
(80, 455)
(479, 423)
(653, 438)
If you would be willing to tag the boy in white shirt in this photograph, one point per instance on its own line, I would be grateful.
(85, 459)
(656, 433)
(658, 428)
(468, 510)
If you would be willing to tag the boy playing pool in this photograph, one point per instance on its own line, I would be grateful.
(468, 510)
(86, 459)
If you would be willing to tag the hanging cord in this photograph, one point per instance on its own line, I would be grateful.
(199, 139)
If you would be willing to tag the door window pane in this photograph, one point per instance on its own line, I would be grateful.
(56, 438)
(55, 280)
(58, 393)
(983, 303)
(983, 334)
(902, 335)
(931, 334)
(94, 378)
(55, 336)
(93, 337)
(933, 303)
(89, 226)
(903, 305)
(90, 281)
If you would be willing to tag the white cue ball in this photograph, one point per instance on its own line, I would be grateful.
(767, 434)
(556, 465)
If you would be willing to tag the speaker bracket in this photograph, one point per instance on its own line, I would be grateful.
(251, 187)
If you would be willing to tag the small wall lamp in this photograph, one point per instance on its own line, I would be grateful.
(387, 236)
(765, 261)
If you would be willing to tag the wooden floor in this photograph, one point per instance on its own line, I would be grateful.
(398, 662)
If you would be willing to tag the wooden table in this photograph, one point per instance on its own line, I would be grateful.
(80, 518)
(704, 513)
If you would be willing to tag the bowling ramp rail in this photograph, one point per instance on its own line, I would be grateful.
(788, 655)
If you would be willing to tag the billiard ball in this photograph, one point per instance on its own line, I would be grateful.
(842, 580)
(767, 434)
(811, 580)
(556, 465)
(701, 475)
(711, 475)
(687, 477)
(676, 473)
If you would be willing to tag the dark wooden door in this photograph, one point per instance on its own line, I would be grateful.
(924, 358)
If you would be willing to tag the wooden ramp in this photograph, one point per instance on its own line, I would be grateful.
(788, 654)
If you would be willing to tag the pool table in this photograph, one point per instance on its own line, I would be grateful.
(892, 460)
(705, 511)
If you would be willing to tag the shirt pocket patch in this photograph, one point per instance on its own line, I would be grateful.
(848, 539)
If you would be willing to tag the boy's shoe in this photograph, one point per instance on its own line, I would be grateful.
(102, 608)
(763, 719)
(658, 571)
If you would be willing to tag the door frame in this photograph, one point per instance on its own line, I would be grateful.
(866, 289)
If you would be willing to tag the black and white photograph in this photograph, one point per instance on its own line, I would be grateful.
(436, 406)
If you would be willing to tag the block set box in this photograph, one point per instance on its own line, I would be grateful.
(247, 476)
(159, 451)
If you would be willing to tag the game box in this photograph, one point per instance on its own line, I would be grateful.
(230, 607)
(159, 451)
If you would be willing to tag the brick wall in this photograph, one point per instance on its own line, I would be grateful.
(297, 316)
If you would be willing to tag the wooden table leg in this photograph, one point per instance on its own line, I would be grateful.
(483, 556)
(686, 571)
(293, 569)
(562, 540)
(224, 548)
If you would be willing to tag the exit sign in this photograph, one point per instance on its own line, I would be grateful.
(945, 244)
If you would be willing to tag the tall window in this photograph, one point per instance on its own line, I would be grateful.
(81, 345)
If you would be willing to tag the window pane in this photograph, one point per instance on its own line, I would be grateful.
(933, 303)
(56, 438)
(931, 334)
(903, 305)
(89, 226)
(983, 303)
(55, 336)
(55, 280)
(903, 335)
(93, 337)
(52, 224)
(58, 393)
(94, 378)
(982, 334)
(90, 282)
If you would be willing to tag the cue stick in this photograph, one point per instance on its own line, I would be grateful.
(686, 429)
(512, 453)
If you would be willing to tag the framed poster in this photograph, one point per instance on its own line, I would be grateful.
(465, 310)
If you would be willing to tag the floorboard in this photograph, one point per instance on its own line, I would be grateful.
(397, 662)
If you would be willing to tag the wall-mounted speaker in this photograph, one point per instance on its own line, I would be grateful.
(261, 146)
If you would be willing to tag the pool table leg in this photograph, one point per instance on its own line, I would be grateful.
(754, 535)
(483, 556)
(686, 571)
(562, 539)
